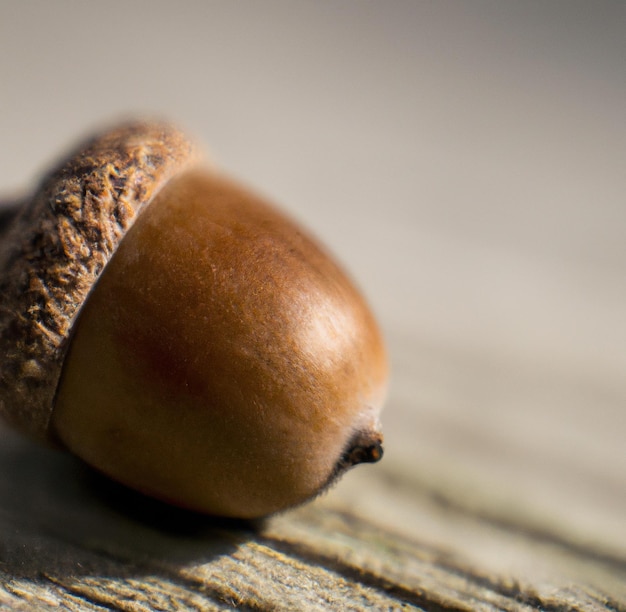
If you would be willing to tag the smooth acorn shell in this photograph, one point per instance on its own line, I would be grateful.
(222, 362)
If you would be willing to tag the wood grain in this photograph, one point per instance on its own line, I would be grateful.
(73, 540)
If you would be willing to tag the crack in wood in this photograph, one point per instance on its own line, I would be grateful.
(362, 576)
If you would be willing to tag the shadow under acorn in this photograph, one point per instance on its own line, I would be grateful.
(153, 513)
(60, 518)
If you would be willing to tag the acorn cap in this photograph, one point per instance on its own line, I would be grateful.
(56, 247)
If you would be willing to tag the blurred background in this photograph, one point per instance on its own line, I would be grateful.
(466, 160)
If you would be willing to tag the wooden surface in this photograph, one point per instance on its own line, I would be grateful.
(69, 539)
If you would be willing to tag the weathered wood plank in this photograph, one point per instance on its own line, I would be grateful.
(71, 539)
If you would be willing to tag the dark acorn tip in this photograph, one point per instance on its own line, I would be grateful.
(364, 454)
(364, 447)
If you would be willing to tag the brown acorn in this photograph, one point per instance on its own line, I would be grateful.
(181, 335)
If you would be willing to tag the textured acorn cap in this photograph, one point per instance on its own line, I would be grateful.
(56, 247)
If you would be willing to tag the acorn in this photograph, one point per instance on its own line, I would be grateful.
(180, 334)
